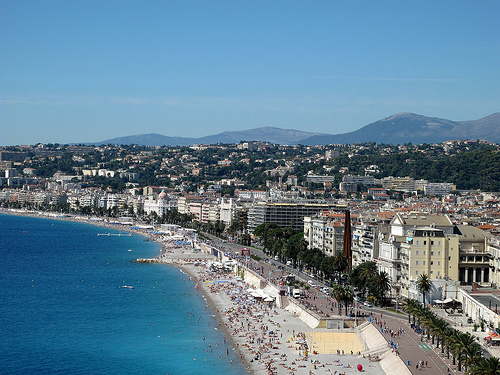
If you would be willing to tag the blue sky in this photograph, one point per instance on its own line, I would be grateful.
(86, 71)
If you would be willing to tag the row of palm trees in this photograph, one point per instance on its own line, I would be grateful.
(371, 284)
(461, 345)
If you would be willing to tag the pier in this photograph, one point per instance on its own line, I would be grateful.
(115, 234)
(148, 260)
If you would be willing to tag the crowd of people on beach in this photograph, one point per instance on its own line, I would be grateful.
(261, 333)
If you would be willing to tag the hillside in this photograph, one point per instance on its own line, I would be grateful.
(409, 127)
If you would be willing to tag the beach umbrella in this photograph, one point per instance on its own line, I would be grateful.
(360, 367)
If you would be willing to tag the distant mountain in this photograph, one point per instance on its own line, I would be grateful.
(151, 139)
(409, 127)
(264, 134)
(487, 128)
(397, 129)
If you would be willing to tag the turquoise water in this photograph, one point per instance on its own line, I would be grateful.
(63, 309)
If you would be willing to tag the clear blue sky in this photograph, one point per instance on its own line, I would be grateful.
(86, 71)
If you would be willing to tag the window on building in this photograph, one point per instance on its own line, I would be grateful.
(416, 252)
(425, 252)
(439, 263)
(439, 253)
(439, 243)
(424, 262)
(425, 242)
(416, 262)
(432, 253)
(416, 272)
(432, 242)
(432, 263)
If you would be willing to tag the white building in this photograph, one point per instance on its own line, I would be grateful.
(325, 233)
(160, 205)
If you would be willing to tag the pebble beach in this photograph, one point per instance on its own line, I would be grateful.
(269, 339)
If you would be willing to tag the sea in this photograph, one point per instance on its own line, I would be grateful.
(64, 308)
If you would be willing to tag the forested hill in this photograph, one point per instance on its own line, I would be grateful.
(469, 170)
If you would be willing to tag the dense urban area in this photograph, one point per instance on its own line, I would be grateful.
(290, 200)
(423, 220)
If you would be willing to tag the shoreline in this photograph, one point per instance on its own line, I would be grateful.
(218, 317)
(264, 338)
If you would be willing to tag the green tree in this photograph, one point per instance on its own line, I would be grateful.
(486, 366)
(424, 285)
(339, 264)
(380, 284)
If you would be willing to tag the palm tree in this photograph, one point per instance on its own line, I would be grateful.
(452, 336)
(424, 285)
(411, 307)
(340, 264)
(465, 350)
(440, 328)
(486, 366)
(360, 276)
(381, 283)
(337, 294)
(429, 321)
(347, 297)
(471, 355)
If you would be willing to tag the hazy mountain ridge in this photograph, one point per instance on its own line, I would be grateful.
(264, 134)
(396, 129)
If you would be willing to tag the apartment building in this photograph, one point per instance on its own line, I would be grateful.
(364, 243)
(228, 210)
(324, 233)
(284, 214)
(433, 245)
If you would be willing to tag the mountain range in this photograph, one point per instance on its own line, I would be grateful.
(400, 128)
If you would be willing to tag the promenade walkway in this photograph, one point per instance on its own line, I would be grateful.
(412, 347)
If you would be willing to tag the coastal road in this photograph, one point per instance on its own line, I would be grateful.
(412, 347)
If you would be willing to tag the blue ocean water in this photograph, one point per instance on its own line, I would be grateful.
(63, 309)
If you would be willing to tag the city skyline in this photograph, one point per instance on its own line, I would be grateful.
(85, 72)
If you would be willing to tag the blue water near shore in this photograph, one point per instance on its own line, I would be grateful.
(63, 309)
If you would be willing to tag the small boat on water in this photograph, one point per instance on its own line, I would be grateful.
(130, 250)
(127, 287)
